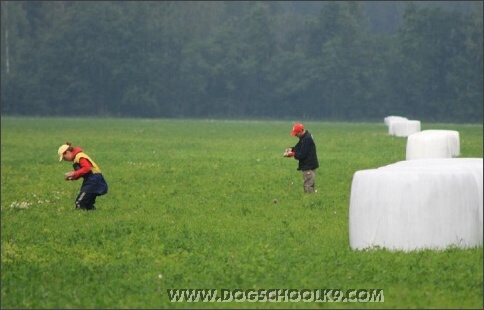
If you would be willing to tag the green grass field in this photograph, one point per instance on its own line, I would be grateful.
(207, 204)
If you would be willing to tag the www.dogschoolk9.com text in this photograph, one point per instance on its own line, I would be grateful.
(275, 295)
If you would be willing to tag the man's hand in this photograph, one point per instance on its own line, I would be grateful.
(288, 153)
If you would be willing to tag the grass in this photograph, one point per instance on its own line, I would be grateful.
(206, 205)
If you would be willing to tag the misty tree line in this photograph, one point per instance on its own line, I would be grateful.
(236, 59)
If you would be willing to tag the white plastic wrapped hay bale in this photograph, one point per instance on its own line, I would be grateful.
(433, 144)
(403, 128)
(392, 118)
(418, 204)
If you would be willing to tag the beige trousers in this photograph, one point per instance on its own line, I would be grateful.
(309, 177)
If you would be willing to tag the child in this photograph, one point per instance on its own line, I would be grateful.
(93, 184)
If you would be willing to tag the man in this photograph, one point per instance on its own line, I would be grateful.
(305, 152)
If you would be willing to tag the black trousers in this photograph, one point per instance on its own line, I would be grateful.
(86, 201)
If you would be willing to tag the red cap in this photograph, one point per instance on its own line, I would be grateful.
(298, 127)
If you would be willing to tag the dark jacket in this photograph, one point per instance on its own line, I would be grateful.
(305, 152)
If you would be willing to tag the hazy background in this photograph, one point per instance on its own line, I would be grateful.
(325, 60)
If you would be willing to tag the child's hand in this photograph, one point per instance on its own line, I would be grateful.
(68, 175)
